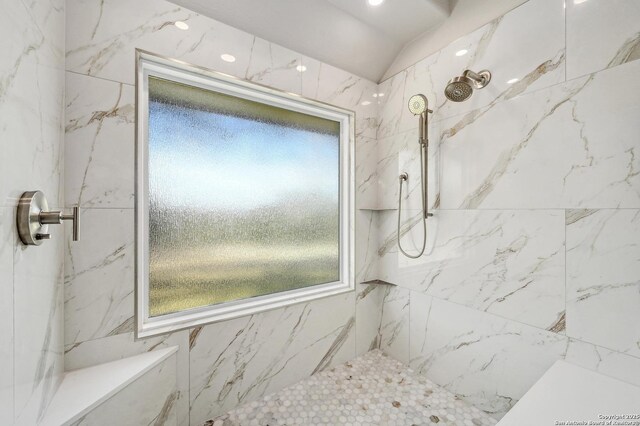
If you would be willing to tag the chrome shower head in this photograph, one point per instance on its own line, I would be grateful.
(418, 104)
(460, 88)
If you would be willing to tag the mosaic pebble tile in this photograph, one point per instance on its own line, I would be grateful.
(370, 390)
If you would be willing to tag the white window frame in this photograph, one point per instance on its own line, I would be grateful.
(148, 64)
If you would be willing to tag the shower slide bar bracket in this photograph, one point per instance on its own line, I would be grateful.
(33, 219)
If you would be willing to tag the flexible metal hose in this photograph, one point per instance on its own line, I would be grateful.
(425, 214)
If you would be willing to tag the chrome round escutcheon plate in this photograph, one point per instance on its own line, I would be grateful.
(31, 231)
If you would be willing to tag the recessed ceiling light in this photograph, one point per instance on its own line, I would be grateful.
(365, 103)
(513, 80)
(301, 68)
(227, 58)
(462, 52)
(375, 95)
(380, 94)
(182, 25)
(375, 2)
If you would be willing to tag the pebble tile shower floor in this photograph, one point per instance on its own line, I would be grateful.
(370, 390)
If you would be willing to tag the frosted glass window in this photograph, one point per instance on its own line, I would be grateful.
(243, 198)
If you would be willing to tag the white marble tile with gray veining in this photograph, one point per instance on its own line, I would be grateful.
(366, 239)
(49, 16)
(601, 34)
(38, 326)
(31, 96)
(31, 114)
(99, 276)
(274, 66)
(104, 35)
(481, 357)
(573, 145)
(390, 99)
(150, 400)
(246, 358)
(393, 332)
(7, 240)
(603, 284)
(420, 309)
(402, 154)
(610, 363)
(332, 85)
(368, 316)
(111, 348)
(99, 145)
(509, 263)
(366, 173)
(103, 40)
(368, 298)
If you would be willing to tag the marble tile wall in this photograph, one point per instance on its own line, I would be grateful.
(603, 278)
(219, 365)
(6, 314)
(31, 120)
(532, 254)
(243, 359)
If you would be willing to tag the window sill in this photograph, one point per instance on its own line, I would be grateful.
(197, 317)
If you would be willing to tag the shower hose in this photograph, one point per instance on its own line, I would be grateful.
(423, 190)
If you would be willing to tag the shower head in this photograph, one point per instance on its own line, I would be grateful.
(418, 104)
(460, 88)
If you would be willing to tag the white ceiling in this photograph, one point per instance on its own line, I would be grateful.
(349, 34)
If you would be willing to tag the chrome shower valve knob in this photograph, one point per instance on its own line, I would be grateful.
(33, 218)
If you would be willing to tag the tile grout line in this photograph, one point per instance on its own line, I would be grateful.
(98, 78)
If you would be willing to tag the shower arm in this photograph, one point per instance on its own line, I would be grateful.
(480, 79)
(472, 75)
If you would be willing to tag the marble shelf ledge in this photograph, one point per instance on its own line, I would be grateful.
(83, 390)
(378, 282)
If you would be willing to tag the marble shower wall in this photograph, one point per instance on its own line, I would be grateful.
(223, 364)
(535, 183)
(31, 279)
(532, 254)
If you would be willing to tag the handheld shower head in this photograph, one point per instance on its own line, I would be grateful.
(460, 88)
(419, 105)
